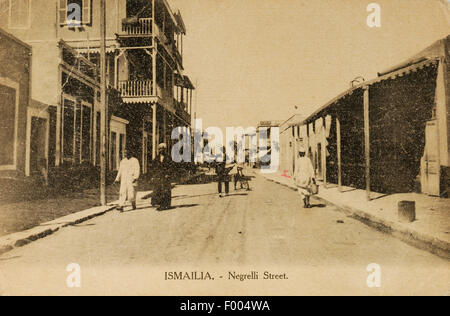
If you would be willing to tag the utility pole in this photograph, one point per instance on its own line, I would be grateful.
(103, 103)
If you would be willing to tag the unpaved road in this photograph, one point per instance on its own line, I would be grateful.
(320, 251)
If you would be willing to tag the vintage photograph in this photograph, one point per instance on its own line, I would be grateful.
(209, 148)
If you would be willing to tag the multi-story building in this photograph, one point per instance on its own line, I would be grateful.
(15, 62)
(148, 92)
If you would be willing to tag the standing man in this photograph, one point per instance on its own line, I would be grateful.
(222, 170)
(162, 194)
(304, 177)
(129, 172)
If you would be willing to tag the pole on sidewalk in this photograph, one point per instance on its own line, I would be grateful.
(103, 104)
(154, 131)
(339, 152)
(367, 140)
(324, 152)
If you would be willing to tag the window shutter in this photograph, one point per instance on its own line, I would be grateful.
(87, 11)
(62, 12)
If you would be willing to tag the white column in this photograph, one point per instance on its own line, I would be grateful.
(154, 132)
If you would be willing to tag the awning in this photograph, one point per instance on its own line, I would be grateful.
(181, 25)
(392, 75)
(183, 81)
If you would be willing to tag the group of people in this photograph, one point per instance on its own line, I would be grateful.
(304, 177)
(129, 173)
(224, 177)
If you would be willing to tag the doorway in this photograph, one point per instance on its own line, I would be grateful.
(38, 155)
(430, 164)
(37, 142)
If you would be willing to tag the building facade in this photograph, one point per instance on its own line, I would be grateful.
(15, 74)
(289, 134)
(266, 140)
(148, 93)
(388, 135)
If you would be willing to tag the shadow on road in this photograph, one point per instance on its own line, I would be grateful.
(82, 225)
(318, 205)
(179, 196)
(237, 194)
(192, 196)
(181, 206)
(10, 258)
(152, 208)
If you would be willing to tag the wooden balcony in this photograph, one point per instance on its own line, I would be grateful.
(138, 27)
(165, 95)
(136, 91)
(181, 111)
(136, 88)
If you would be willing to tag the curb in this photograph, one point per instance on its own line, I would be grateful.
(20, 239)
(400, 231)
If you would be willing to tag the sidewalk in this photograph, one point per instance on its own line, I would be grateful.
(27, 213)
(20, 239)
(27, 221)
(23, 238)
(431, 230)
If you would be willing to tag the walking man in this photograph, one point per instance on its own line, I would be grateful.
(129, 172)
(304, 177)
(222, 170)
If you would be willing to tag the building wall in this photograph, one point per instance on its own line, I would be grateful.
(41, 34)
(44, 31)
(446, 82)
(44, 22)
(286, 150)
(118, 144)
(15, 62)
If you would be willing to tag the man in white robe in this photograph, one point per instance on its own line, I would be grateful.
(128, 176)
(304, 176)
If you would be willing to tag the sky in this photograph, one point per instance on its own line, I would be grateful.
(255, 60)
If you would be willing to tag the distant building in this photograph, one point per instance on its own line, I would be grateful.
(265, 137)
(289, 141)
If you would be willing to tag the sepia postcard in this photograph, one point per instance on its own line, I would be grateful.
(212, 148)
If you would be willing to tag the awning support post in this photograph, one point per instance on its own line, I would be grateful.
(367, 140)
(339, 153)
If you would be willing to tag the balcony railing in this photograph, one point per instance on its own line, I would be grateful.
(181, 110)
(178, 55)
(136, 88)
(144, 89)
(142, 26)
